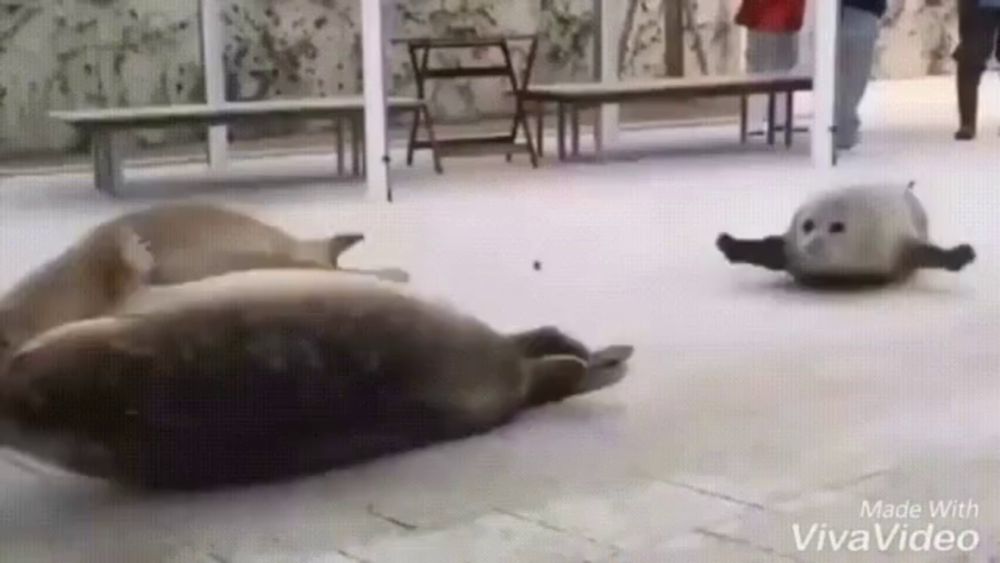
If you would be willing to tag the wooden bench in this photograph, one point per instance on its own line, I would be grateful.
(572, 97)
(106, 126)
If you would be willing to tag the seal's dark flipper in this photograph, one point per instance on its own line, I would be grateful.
(767, 252)
(930, 256)
(554, 378)
(548, 341)
(340, 244)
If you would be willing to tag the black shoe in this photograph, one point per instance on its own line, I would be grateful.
(965, 133)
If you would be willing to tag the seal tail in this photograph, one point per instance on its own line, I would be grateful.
(327, 251)
(560, 367)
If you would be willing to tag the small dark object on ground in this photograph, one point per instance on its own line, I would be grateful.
(537, 265)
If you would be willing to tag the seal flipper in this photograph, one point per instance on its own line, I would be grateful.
(767, 252)
(547, 341)
(557, 377)
(397, 275)
(197, 265)
(339, 244)
(930, 256)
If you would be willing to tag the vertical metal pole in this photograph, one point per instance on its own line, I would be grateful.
(827, 21)
(373, 45)
(608, 16)
(215, 78)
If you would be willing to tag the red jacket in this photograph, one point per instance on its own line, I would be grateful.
(778, 16)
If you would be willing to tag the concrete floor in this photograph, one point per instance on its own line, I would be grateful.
(752, 409)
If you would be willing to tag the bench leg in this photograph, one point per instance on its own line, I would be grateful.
(339, 124)
(540, 127)
(106, 148)
(575, 113)
(429, 124)
(744, 118)
(771, 112)
(356, 145)
(561, 129)
(789, 112)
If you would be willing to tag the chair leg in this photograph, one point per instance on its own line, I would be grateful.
(540, 126)
(411, 146)
(435, 152)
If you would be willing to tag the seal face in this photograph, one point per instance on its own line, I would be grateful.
(854, 236)
(277, 383)
(852, 232)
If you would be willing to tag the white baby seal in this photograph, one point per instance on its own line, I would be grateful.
(855, 236)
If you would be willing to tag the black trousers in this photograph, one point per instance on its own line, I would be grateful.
(978, 37)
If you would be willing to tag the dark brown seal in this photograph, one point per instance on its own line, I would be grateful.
(232, 386)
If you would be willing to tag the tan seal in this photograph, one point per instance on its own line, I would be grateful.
(159, 245)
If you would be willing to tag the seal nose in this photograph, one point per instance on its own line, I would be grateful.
(815, 247)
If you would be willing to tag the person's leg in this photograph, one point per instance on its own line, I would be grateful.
(855, 54)
(976, 32)
(766, 53)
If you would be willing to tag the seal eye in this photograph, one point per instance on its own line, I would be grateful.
(808, 226)
(837, 227)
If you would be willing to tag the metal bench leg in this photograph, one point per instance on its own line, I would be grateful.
(356, 145)
(771, 111)
(339, 123)
(561, 129)
(106, 148)
(744, 118)
(575, 124)
(364, 147)
(789, 112)
(540, 127)
(429, 124)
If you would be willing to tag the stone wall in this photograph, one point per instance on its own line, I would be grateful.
(58, 54)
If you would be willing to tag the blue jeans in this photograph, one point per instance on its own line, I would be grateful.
(855, 54)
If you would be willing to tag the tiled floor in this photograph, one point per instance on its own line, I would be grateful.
(751, 408)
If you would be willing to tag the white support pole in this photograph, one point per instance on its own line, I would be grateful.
(373, 43)
(827, 20)
(608, 15)
(215, 78)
